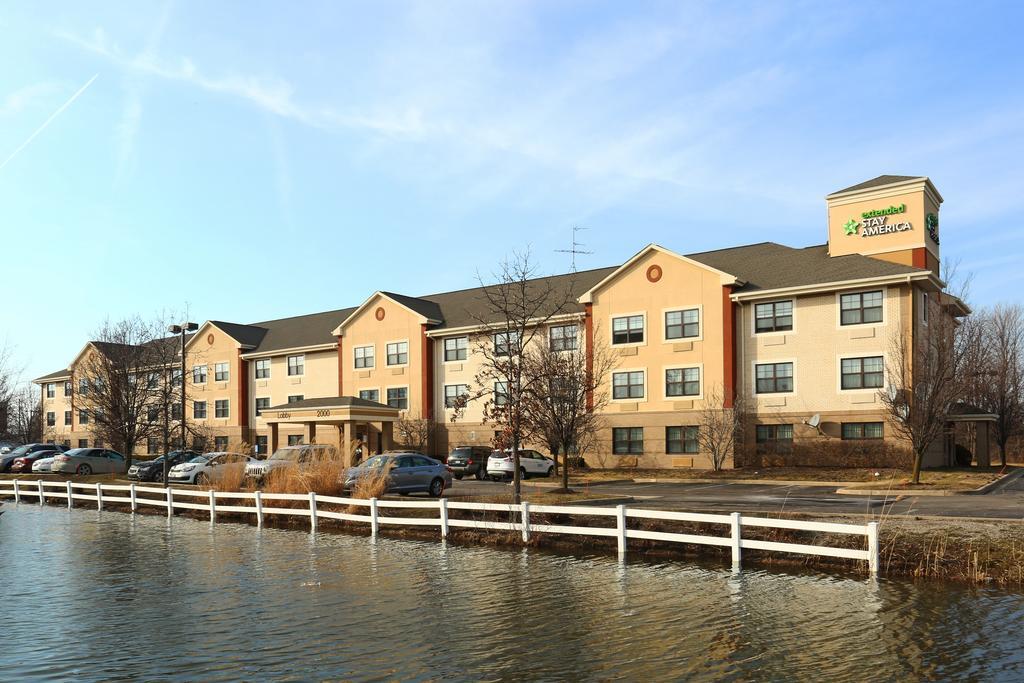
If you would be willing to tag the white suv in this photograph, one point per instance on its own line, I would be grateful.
(290, 456)
(531, 464)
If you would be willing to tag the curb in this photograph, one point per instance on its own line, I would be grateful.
(904, 493)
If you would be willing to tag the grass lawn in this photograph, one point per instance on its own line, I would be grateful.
(951, 479)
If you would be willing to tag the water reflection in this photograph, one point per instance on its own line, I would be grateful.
(184, 600)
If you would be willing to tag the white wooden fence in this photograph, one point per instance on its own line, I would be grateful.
(218, 501)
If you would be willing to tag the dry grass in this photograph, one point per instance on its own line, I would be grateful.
(373, 484)
(938, 478)
(229, 479)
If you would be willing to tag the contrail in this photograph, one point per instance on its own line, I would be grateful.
(48, 121)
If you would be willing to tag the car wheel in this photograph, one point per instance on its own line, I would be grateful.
(202, 479)
(551, 471)
(522, 474)
(458, 476)
(436, 487)
(84, 470)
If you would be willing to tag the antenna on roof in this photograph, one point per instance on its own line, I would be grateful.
(575, 247)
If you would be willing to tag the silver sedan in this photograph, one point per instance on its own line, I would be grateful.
(89, 461)
(407, 473)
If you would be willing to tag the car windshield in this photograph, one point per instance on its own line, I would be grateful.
(462, 452)
(200, 458)
(20, 450)
(76, 451)
(287, 454)
(377, 461)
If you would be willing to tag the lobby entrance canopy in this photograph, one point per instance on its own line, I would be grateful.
(335, 420)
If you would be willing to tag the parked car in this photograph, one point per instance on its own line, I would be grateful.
(24, 463)
(43, 465)
(87, 461)
(407, 473)
(469, 461)
(301, 455)
(500, 465)
(153, 470)
(8, 459)
(203, 469)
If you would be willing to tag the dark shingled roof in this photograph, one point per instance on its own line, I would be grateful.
(330, 402)
(428, 309)
(774, 266)
(878, 182)
(246, 335)
(53, 375)
(303, 330)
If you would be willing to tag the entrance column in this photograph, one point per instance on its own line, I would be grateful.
(387, 436)
(309, 432)
(273, 437)
(981, 450)
(345, 431)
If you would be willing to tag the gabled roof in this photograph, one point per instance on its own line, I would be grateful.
(428, 309)
(57, 374)
(314, 329)
(775, 266)
(249, 336)
(879, 182)
(726, 278)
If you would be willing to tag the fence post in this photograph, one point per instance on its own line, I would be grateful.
(312, 511)
(443, 506)
(99, 496)
(620, 528)
(373, 518)
(41, 497)
(873, 548)
(213, 507)
(259, 508)
(736, 528)
(170, 503)
(526, 522)
(131, 489)
(71, 496)
(17, 492)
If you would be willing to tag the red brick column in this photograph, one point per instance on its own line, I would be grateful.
(728, 345)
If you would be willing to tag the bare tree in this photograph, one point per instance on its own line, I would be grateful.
(928, 374)
(515, 311)
(416, 433)
(8, 384)
(721, 426)
(24, 415)
(998, 370)
(562, 405)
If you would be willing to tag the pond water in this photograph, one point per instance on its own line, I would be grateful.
(110, 596)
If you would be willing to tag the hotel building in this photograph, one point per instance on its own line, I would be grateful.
(800, 332)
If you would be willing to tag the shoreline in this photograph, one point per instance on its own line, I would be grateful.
(973, 552)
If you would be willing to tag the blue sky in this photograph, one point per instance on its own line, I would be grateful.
(255, 160)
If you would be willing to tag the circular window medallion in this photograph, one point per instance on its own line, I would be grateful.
(654, 273)
(209, 339)
(379, 314)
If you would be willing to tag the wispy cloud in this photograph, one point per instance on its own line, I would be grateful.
(47, 122)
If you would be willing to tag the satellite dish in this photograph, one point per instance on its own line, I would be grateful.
(815, 420)
(893, 392)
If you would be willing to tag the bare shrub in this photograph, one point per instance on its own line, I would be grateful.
(834, 453)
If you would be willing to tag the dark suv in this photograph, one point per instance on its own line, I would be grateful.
(469, 460)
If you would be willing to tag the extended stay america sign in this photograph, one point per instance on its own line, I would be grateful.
(876, 222)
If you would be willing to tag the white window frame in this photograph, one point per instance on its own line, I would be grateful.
(298, 397)
(387, 401)
(51, 390)
(508, 334)
(611, 329)
(256, 368)
(444, 351)
(860, 354)
(680, 309)
(222, 417)
(206, 410)
(373, 357)
(619, 371)
(288, 365)
(205, 373)
(772, 361)
(256, 408)
(861, 290)
(215, 370)
(387, 353)
(753, 317)
(445, 393)
(576, 337)
(684, 366)
(377, 389)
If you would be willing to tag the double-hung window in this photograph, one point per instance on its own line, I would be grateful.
(774, 438)
(862, 373)
(221, 408)
(682, 324)
(681, 440)
(261, 405)
(296, 365)
(68, 388)
(221, 372)
(295, 398)
(628, 440)
(628, 329)
(682, 382)
(198, 374)
(774, 378)
(263, 368)
(363, 357)
(67, 418)
(861, 307)
(51, 390)
(83, 387)
(83, 417)
(500, 393)
(774, 316)
(856, 431)
(563, 337)
(456, 348)
(370, 395)
(452, 392)
(628, 385)
(398, 353)
(505, 342)
(51, 419)
(199, 410)
(398, 397)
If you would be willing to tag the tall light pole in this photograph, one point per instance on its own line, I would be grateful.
(183, 329)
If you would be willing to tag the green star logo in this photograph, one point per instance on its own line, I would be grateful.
(851, 226)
